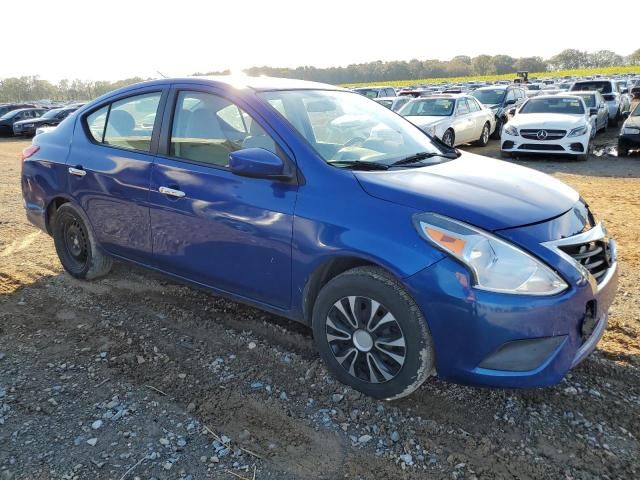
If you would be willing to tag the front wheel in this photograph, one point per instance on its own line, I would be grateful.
(75, 245)
(497, 133)
(623, 152)
(448, 138)
(371, 334)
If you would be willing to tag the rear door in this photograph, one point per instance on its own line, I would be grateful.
(109, 167)
(228, 232)
(463, 122)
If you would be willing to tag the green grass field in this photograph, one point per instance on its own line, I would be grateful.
(508, 76)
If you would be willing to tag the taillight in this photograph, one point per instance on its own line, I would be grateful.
(29, 151)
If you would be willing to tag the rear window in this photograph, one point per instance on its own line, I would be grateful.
(602, 87)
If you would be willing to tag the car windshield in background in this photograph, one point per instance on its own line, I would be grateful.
(564, 105)
(589, 100)
(367, 92)
(428, 107)
(51, 114)
(602, 87)
(490, 97)
(346, 127)
(386, 103)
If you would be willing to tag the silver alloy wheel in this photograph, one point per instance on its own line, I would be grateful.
(366, 339)
(447, 138)
(485, 133)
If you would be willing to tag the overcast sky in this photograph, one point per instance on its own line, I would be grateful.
(114, 39)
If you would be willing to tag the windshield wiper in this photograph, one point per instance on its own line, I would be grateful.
(418, 157)
(359, 165)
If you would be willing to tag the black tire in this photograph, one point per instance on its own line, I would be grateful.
(449, 138)
(498, 131)
(615, 121)
(606, 126)
(484, 136)
(623, 152)
(75, 245)
(398, 317)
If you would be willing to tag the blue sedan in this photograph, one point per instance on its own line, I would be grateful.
(406, 257)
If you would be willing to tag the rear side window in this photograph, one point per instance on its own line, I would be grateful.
(96, 123)
(206, 128)
(463, 108)
(130, 122)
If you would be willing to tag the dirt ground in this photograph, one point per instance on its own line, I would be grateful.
(137, 376)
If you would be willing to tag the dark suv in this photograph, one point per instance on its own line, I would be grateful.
(500, 99)
(7, 107)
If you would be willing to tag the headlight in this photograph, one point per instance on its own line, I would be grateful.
(511, 130)
(578, 131)
(496, 265)
(630, 131)
(430, 129)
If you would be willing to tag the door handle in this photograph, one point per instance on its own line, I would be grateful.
(78, 172)
(172, 192)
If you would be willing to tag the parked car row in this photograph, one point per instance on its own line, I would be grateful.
(24, 119)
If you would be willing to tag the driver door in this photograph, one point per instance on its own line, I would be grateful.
(209, 225)
(463, 123)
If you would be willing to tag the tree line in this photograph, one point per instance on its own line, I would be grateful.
(31, 88)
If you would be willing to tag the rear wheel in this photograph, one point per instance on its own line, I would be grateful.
(623, 152)
(498, 131)
(76, 246)
(448, 138)
(372, 335)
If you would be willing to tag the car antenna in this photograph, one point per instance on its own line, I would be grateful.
(161, 74)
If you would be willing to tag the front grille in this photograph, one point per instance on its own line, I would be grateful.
(595, 256)
(542, 134)
(543, 147)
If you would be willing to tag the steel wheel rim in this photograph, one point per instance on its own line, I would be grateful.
(76, 243)
(366, 339)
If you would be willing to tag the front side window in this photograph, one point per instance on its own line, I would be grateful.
(206, 128)
(130, 122)
(463, 108)
(344, 127)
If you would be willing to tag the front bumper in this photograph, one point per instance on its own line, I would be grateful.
(544, 336)
(563, 146)
(630, 142)
(18, 131)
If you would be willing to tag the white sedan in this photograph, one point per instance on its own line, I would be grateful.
(455, 119)
(551, 124)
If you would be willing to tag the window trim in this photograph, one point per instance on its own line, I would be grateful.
(157, 124)
(164, 141)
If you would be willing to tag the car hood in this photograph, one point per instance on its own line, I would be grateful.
(424, 120)
(29, 120)
(632, 122)
(490, 194)
(547, 120)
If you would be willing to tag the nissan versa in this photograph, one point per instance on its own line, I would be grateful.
(407, 257)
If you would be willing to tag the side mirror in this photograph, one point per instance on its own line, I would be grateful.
(510, 102)
(257, 163)
(593, 111)
(626, 114)
(512, 111)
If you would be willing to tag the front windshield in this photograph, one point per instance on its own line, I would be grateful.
(589, 100)
(564, 105)
(490, 97)
(51, 113)
(428, 107)
(9, 115)
(346, 127)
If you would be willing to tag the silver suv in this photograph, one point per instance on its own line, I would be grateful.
(616, 100)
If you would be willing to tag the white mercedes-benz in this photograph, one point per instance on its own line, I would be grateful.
(553, 124)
